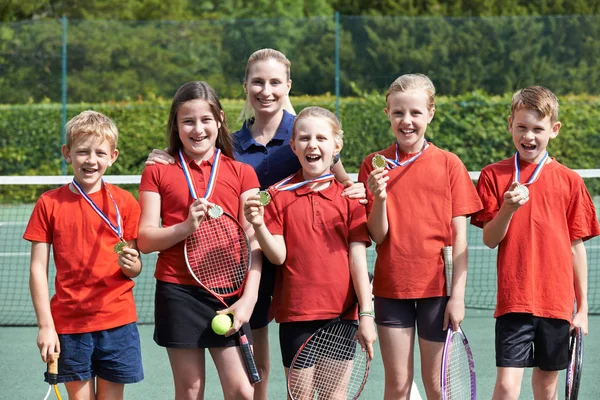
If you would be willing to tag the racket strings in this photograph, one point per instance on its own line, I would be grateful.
(330, 366)
(458, 371)
(218, 254)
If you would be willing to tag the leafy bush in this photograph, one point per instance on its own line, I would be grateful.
(473, 126)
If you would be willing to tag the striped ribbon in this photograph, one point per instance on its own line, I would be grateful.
(396, 163)
(118, 229)
(283, 186)
(211, 181)
(536, 173)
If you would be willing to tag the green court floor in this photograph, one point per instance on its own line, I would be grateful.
(21, 371)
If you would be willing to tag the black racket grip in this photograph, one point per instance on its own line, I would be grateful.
(248, 357)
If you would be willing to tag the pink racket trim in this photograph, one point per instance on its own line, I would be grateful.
(449, 369)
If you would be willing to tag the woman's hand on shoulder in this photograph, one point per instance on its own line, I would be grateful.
(160, 157)
(355, 191)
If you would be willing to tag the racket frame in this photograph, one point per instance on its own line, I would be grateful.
(445, 360)
(337, 320)
(573, 375)
(246, 349)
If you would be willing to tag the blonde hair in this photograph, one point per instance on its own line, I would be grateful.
(408, 82)
(263, 55)
(320, 112)
(536, 98)
(92, 123)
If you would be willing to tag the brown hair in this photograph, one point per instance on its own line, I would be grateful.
(408, 82)
(198, 90)
(536, 98)
(92, 123)
(336, 126)
(262, 55)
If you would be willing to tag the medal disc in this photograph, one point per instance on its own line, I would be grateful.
(264, 198)
(119, 247)
(523, 191)
(215, 212)
(379, 161)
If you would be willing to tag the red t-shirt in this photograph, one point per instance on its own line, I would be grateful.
(314, 283)
(233, 179)
(422, 199)
(535, 263)
(92, 293)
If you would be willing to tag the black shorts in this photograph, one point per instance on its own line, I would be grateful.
(292, 336)
(428, 314)
(182, 318)
(260, 315)
(523, 340)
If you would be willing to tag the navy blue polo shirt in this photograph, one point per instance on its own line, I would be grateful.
(272, 162)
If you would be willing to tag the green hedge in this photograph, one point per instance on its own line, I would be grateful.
(473, 126)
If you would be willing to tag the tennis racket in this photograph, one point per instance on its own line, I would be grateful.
(53, 378)
(218, 256)
(448, 268)
(575, 364)
(458, 370)
(330, 364)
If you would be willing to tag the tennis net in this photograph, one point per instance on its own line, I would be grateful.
(18, 195)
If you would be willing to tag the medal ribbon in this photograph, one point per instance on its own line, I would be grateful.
(118, 230)
(211, 181)
(536, 173)
(293, 186)
(396, 163)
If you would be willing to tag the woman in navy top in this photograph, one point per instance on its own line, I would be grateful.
(264, 143)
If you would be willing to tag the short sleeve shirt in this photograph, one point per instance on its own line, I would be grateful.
(423, 197)
(314, 282)
(233, 179)
(92, 293)
(537, 245)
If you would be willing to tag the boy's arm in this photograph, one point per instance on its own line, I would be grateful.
(580, 320)
(377, 221)
(47, 339)
(362, 288)
(273, 246)
(455, 309)
(129, 260)
(495, 230)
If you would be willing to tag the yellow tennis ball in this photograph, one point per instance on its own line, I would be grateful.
(221, 323)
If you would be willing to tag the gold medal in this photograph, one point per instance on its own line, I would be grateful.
(379, 161)
(120, 246)
(215, 211)
(523, 191)
(264, 198)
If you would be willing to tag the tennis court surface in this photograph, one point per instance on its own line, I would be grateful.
(21, 372)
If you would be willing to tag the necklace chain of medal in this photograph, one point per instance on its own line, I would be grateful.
(522, 188)
(380, 161)
(215, 211)
(117, 229)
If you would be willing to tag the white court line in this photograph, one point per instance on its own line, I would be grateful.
(17, 254)
(414, 392)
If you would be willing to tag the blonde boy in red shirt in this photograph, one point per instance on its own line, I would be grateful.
(538, 213)
(92, 229)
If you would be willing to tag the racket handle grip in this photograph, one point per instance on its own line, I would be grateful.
(248, 357)
(448, 268)
(53, 370)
